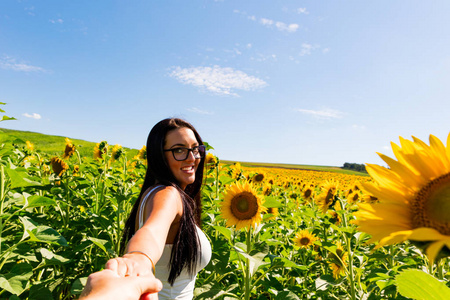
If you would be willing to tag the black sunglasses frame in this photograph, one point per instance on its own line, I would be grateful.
(189, 150)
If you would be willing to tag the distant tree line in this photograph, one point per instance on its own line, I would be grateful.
(355, 167)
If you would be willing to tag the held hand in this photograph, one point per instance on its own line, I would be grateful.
(106, 284)
(127, 266)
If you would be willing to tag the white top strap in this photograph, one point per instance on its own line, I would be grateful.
(141, 207)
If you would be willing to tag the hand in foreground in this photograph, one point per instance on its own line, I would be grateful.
(130, 265)
(106, 284)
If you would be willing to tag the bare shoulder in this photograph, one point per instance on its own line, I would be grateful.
(165, 196)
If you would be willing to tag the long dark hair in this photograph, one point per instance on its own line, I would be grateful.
(186, 244)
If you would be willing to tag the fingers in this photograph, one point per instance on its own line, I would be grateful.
(147, 284)
(123, 266)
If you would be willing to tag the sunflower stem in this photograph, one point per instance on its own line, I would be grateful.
(247, 265)
(350, 252)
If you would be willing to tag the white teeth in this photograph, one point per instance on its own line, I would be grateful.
(187, 168)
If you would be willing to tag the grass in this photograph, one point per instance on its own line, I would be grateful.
(54, 145)
(51, 144)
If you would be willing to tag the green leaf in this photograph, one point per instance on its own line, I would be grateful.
(288, 295)
(226, 232)
(78, 286)
(40, 292)
(20, 179)
(5, 118)
(46, 234)
(416, 284)
(53, 258)
(38, 201)
(16, 281)
(270, 201)
(99, 243)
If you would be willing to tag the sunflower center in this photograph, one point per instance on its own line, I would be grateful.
(431, 207)
(304, 241)
(244, 206)
(307, 193)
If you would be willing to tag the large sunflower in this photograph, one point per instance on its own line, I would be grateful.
(242, 206)
(413, 194)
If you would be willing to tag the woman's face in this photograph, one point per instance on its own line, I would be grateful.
(184, 171)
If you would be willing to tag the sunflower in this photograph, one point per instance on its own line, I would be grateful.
(258, 177)
(30, 145)
(142, 155)
(69, 150)
(353, 198)
(117, 152)
(210, 159)
(58, 166)
(242, 206)
(338, 261)
(304, 239)
(100, 149)
(273, 211)
(414, 197)
(308, 194)
(326, 198)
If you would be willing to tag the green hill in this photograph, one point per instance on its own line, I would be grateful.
(52, 144)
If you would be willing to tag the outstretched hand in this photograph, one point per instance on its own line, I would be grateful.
(107, 284)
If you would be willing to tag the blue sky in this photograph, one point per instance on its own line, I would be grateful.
(304, 82)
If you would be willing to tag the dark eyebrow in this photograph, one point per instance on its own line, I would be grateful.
(184, 146)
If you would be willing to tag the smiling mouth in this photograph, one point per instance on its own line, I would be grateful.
(190, 168)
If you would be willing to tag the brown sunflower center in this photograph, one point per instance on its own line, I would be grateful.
(244, 206)
(431, 206)
(259, 177)
(304, 241)
(330, 196)
(307, 193)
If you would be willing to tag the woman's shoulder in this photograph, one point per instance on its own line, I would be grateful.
(159, 191)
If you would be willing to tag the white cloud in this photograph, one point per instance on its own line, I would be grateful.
(33, 116)
(200, 111)
(307, 49)
(302, 10)
(59, 21)
(322, 114)
(220, 81)
(265, 21)
(279, 25)
(326, 50)
(9, 63)
(284, 27)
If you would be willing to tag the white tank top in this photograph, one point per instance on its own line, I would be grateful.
(183, 287)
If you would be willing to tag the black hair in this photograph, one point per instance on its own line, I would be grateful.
(186, 246)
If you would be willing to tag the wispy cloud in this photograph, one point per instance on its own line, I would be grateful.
(32, 116)
(307, 49)
(220, 81)
(9, 63)
(282, 26)
(302, 10)
(200, 111)
(326, 113)
(57, 21)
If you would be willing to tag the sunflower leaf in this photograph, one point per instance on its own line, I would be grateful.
(416, 284)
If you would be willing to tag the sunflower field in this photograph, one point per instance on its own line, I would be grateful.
(275, 233)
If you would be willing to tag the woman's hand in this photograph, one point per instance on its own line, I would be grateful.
(133, 264)
(106, 284)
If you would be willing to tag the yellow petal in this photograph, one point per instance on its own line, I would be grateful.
(433, 250)
(427, 234)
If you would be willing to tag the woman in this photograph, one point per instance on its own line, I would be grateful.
(163, 227)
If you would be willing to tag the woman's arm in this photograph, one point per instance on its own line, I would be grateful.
(162, 213)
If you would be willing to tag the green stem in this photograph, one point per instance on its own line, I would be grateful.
(2, 195)
(350, 253)
(247, 265)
